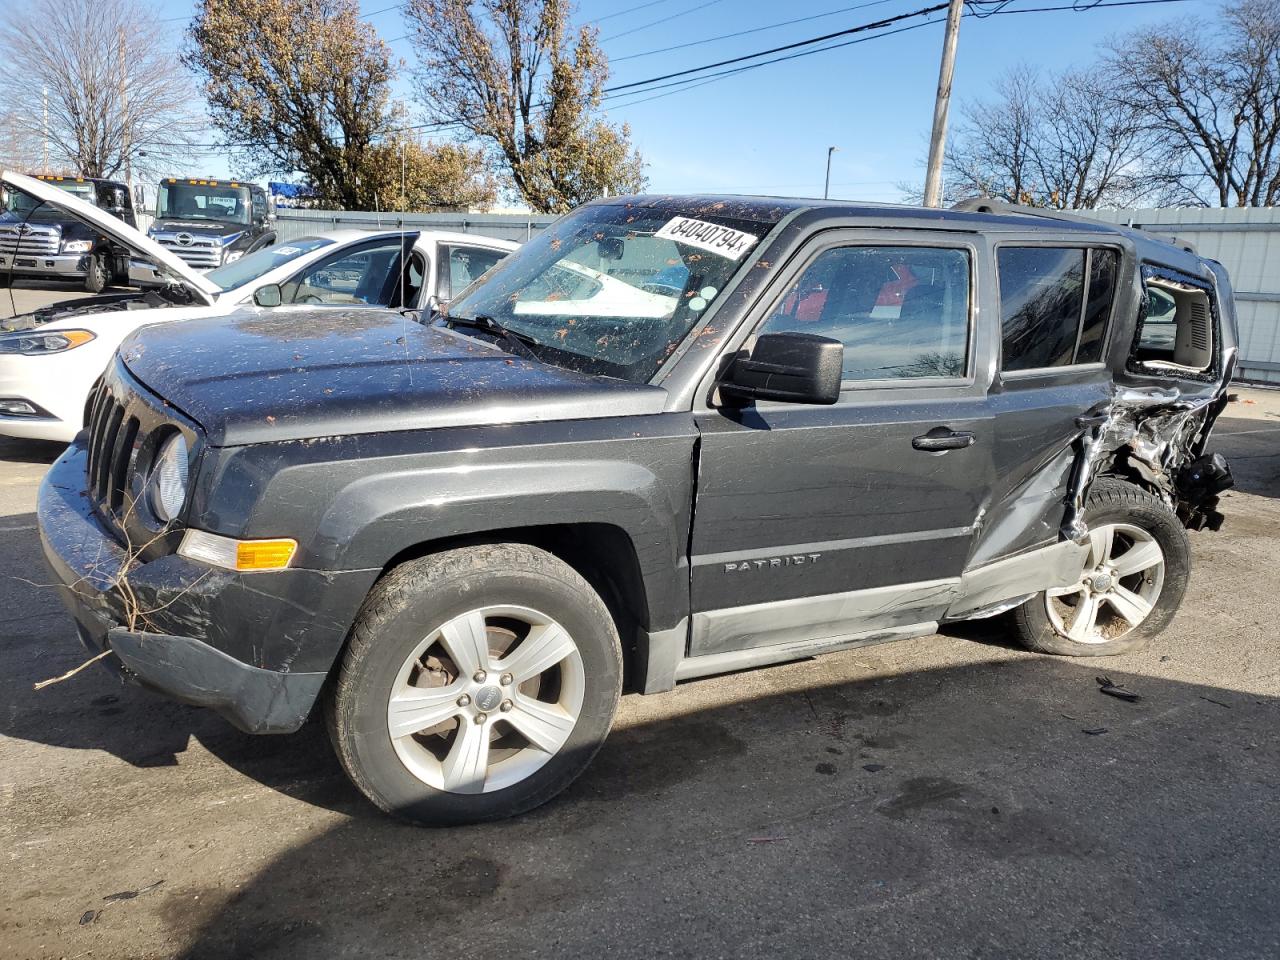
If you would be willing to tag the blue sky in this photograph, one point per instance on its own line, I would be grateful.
(767, 130)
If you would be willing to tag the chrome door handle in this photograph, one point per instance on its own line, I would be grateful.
(940, 439)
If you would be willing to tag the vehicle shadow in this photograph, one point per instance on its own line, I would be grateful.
(994, 809)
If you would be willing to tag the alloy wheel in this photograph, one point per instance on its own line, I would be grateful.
(1117, 590)
(486, 700)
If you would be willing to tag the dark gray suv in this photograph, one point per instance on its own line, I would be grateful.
(670, 437)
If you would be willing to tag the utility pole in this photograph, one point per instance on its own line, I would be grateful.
(826, 188)
(938, 140)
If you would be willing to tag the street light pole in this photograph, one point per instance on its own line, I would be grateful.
(941, 105)
(826, 189)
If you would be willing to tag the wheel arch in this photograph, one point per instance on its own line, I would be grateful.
(603, 554)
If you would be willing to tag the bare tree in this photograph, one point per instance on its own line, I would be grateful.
(991, 152)
(1062, 143)
(515, 76)
(19, 149)
(106, 77)
(1210, 98)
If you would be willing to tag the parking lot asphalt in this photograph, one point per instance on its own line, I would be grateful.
(950, 796)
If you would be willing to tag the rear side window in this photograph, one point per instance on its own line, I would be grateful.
(901, 312)
(465, 265)
(1055, 304)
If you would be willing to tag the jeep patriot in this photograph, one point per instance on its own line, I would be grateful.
(670, 437)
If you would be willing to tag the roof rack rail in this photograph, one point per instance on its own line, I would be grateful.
(995, 205)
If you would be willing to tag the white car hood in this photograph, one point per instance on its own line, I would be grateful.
(137, 242)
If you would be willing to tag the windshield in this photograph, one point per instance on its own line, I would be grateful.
(250, 268)
(612, 290)
(192, 200)
(21, 205)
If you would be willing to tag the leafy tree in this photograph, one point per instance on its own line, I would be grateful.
(434, 176)
(514, 76)
(104, 75)
(296, 85)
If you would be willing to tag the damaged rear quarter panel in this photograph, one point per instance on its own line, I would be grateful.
(1059, 430)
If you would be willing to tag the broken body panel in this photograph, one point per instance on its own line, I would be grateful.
(723, 535)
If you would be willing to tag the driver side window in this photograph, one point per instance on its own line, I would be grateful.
(901, 312)
(364, 276)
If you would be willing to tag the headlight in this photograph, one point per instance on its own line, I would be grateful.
(231, 256)
(77, 246)
(36, 343)
(167, 484)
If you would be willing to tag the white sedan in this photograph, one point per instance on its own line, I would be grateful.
(50, 358)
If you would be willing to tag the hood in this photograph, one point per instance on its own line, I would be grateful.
(259, 376)
(99, 220)
(200, 228)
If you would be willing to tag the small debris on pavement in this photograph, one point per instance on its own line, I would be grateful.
(1117, 690)
(1218, 702)
(1096, 731)
(873, 767)
(766, 839)
(88, 917)
(131, 894)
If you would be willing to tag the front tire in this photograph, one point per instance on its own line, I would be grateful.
(478, 683)
(1134, 579)
(95, 277)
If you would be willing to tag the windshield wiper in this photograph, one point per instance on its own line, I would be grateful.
(516, 342)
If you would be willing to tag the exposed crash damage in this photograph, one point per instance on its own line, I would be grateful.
(669, 438)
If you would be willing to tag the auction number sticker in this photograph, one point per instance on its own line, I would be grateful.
(708, 236)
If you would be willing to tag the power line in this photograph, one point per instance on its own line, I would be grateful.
(622, 13)
(743, 33)
(860, 28)
(684, 80)
(654, 23)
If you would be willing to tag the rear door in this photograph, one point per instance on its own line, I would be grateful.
(814, 522)
(1055, 306)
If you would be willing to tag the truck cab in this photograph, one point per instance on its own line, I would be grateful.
(41, 242)
(210, 223)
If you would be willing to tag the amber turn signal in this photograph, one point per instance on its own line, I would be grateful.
(243, 556)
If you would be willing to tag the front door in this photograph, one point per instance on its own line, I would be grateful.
(821, 522)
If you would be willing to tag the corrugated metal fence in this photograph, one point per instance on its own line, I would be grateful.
(292, 223)
(1246, 241)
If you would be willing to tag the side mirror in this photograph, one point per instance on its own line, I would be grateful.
(268, 296)
(790, 367)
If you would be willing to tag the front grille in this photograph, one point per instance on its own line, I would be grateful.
(126, 424)
(113, 433)
(27, 240)
(196, 252)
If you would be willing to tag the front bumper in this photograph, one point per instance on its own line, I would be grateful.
(147, 635)
(70, 266)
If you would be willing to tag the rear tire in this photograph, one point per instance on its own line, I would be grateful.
(478, 684)
(1132, 531)
(95, 277)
